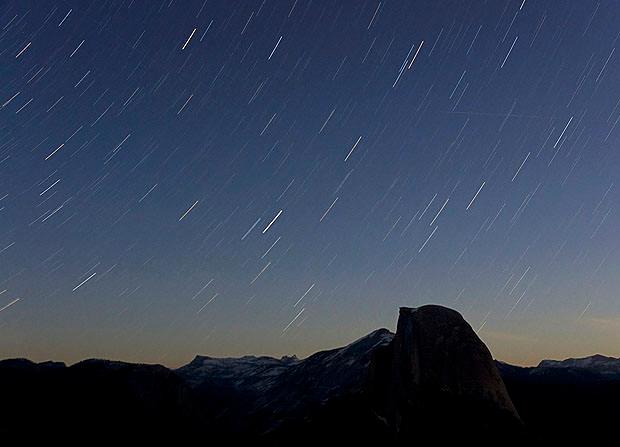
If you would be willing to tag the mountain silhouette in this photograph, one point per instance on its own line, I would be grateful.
(433, 380)
(438, 373)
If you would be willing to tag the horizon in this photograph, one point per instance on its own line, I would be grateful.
(222, 177)
(305, 355)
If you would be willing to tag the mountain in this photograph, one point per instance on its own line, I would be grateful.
(567, 401)
(438, 373)
(433, 381)
(50, 401)
(606, 367)
(263, 397)
(402, 385)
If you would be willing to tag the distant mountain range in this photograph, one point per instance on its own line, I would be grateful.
(432, 381)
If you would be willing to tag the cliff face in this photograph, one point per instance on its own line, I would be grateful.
(437, 373)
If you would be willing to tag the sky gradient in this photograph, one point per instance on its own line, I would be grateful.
(277, 177)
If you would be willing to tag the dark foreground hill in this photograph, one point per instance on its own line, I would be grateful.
(432, 381)
(568, 401)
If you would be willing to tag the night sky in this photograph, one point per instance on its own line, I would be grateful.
(277, 177)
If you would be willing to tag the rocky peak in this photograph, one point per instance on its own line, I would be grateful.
(435, 367)
(435, 347)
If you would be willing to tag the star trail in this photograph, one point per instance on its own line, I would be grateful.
(231, 177)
